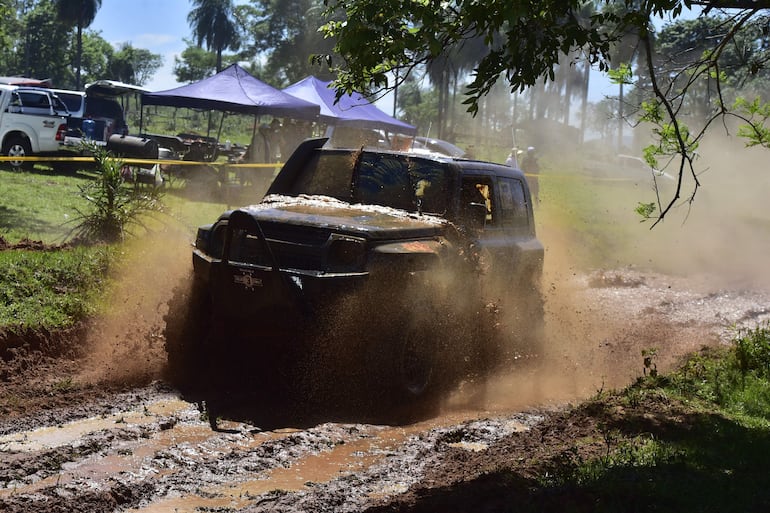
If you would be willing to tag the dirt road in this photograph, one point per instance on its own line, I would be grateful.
(101, 431)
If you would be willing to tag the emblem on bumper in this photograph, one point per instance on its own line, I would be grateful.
(248, 280)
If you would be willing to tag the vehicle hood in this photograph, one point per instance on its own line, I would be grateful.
(370, 221)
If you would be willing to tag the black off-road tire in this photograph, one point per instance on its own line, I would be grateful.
(187, 326)
(17, 146)
(412, 362)
(407, 370)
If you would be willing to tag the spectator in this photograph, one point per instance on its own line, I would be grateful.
(513, 158)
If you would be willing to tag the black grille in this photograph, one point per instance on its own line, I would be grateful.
(297, 247)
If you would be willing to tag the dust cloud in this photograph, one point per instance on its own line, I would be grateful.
(720, 238)
(125, 342)
(594, 334)
(596, 330)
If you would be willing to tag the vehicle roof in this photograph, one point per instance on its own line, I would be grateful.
(25, 81)
(447, 148)
(460, 162)
(113, 88)
(8, 87)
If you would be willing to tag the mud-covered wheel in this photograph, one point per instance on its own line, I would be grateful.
(187, 324)
(410, 372)
(413, 365)
(17, 147)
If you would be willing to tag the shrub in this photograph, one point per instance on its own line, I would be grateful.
(116, 204)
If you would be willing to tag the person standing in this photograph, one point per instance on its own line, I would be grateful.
(513, 158)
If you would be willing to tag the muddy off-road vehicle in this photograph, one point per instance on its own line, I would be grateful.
(386, 272)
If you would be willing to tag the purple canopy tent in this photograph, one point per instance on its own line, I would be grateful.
(352, 111)
(234, 90)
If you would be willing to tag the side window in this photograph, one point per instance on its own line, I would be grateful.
(59, 106)
(36, 100)
(513, 204)
(479, 189)
(73, 102)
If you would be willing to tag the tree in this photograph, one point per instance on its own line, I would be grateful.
(195, 64)
(134, 65)
(284, 33)
(42, 45)
(80, 14)
(526, 39)
(212, 22)
(95, 60)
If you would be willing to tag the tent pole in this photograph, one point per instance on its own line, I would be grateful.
(221, 123)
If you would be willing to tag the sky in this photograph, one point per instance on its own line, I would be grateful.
(161, 26)
(157, 25)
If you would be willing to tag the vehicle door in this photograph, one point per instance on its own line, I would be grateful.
(38, 116)
(507, 238)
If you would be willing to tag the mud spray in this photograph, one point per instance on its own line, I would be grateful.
(125, 341)
(599, 316)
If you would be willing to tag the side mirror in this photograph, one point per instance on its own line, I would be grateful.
(476, 215)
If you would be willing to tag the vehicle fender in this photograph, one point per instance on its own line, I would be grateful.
(6, 134)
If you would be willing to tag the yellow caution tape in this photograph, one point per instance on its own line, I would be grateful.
(137, 161)
(261, 165)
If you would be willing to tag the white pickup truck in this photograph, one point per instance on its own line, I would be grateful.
(33, 121)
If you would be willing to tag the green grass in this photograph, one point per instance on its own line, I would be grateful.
(53, 289)
(39, 205)
(700, 443)
(596, 215)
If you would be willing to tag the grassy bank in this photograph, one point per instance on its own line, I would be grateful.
(50, 284)
(694, 440)
(51, 289)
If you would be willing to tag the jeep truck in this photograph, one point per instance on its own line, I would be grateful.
(397, 258)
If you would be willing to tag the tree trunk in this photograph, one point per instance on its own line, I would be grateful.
(79, 56)
(584, 106)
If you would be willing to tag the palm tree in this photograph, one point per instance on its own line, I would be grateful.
(81, 14)
(212, 23)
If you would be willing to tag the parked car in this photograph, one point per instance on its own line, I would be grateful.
(438, 146)
(33, 121)
(396, 255)
(103, 101)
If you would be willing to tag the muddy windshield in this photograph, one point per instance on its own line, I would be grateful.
(389, 180)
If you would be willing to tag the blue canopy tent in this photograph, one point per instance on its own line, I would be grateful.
(233, 90)
(352, 111)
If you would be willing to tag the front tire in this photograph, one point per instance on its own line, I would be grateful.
(413, 364)
(18, 147)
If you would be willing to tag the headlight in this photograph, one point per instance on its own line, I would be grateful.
(345, 254)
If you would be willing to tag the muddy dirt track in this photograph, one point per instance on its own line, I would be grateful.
(96, 428)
